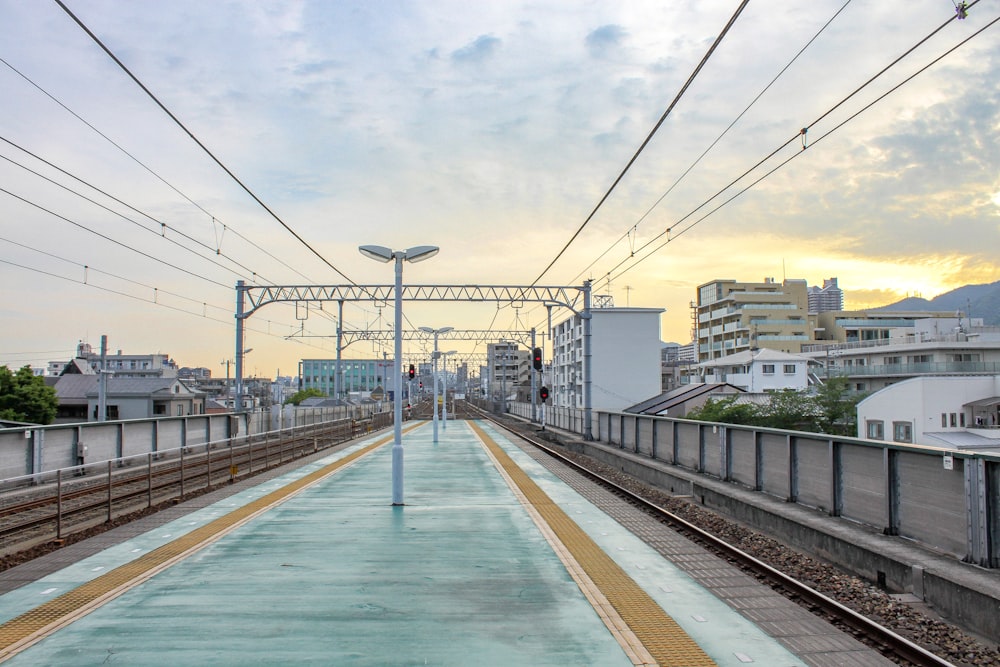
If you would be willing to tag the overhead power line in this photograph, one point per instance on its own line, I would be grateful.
(152, 301)
(197, 141)
(648, 138)
(215, 220)
(812, 143)
(634, 228)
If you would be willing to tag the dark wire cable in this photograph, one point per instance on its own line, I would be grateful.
(200, 144)
(111, 141)
(108, 238)
(795, 137)
(88, 268)
(144, 228)
(815, 141)
(648, 138)
(680, 178)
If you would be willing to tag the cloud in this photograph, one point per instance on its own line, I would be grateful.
(482, 49)
(605, 40)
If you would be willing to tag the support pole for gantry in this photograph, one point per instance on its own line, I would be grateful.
(588, 431)
(240, 295)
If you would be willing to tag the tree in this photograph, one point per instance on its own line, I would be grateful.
(837, 407)
(25, 397)
(725, 411)
(789, 410)
(302, 395)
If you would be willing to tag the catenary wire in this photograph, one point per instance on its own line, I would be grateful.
(646, 141)
(108, 238)
(712, 145)
(608, 277)
(155, 303)
(815, 141)
(215, 220)
(226, 169)
(141, 226)
(784, 145)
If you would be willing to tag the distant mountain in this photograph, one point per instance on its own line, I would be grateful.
(979, 300)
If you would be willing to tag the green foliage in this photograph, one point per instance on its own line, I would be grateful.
(831, 409)
(302, 395)
(725, 411)
(837, 407)
(25, 397)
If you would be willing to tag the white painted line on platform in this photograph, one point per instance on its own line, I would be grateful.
(47, 591)
(743, 657)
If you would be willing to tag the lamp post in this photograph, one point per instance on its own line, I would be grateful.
(383, 254)
(434, 358)
(444, 387)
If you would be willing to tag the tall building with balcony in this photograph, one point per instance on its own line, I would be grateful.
(507, 367)
(912, 348)
(825, 298)
(732, 317)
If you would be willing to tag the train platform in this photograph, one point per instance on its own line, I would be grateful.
(494, 559)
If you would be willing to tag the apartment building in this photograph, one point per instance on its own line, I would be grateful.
(625, 358)
(357, 375)
(825, 298)
(507, 367)
(121, 365)
(732, 317)
(875, 358)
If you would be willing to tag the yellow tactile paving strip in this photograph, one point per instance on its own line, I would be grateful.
(664, 640)
(30, 627)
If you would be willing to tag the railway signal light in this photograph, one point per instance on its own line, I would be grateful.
(543, 394)
(536, 358)
(413, 372)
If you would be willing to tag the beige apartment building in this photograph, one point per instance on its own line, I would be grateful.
(731, 316)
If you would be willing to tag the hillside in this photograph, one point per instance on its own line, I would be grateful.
(980, 300)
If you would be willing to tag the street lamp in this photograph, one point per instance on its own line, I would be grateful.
(444, 387)
(383, 254)
(434, 359)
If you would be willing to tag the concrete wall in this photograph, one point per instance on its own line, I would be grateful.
(931, 495)
(28, 451)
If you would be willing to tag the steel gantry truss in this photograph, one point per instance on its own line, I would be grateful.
(477, 335)
(579, 299)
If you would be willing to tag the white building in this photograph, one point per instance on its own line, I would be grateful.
(951, 411)
(758, 371)
(625, 358)
(931, 346)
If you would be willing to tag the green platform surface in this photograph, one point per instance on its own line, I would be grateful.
(336, 575)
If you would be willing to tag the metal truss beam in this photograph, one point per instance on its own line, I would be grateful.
(478, 335)
(570, 297)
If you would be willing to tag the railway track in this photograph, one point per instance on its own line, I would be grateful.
(885, 640)
(53, 507)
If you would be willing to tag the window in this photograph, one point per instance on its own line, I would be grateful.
(789, 369)
(953, 419)
(902, 432)
(768, 369)
(180, 410)
(961, 419)
(875, 429)
(944, 420)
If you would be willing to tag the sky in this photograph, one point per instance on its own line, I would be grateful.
(495, 131)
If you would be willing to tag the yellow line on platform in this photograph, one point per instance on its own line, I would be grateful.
(661, 638)
(34, 625)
